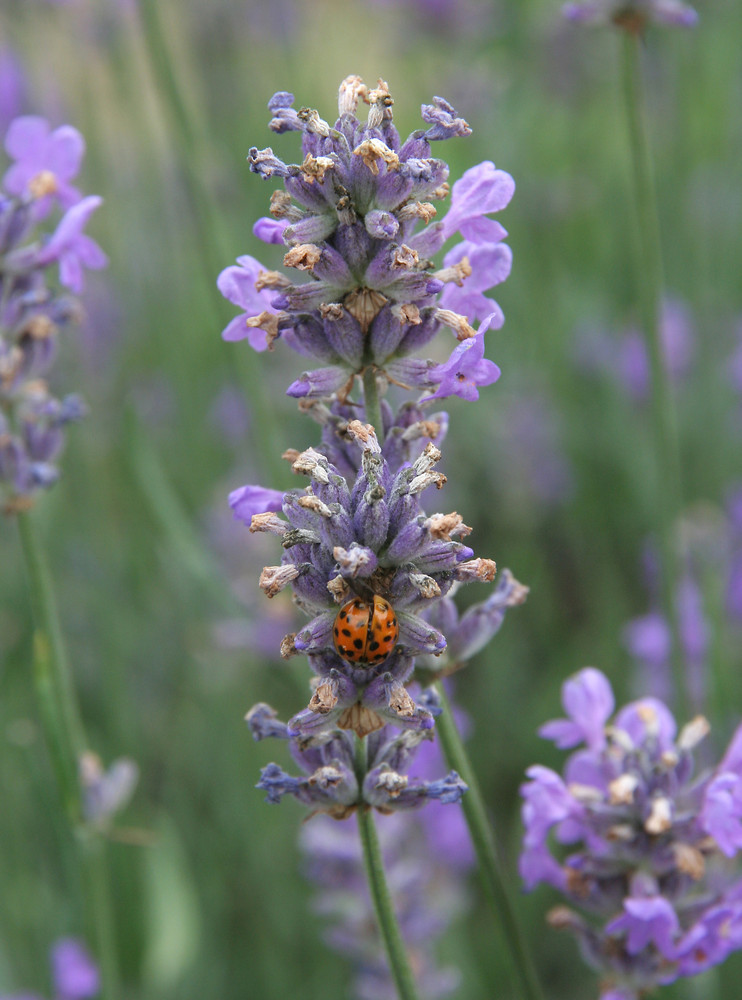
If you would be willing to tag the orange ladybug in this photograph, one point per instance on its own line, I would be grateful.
(365, 632)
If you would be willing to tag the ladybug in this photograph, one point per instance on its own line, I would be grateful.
(365, 632)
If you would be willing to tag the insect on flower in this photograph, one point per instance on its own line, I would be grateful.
(365, 632)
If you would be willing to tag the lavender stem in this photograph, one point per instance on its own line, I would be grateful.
(372, 402)
(484, 846)
(380, 895)
(63, 727)
(650, 280)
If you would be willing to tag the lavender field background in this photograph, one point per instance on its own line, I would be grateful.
(169, 637)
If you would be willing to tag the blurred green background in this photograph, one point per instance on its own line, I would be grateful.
(168, 633)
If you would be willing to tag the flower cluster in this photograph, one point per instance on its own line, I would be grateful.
(369, 538)
(650, 835)
(331, 784)
(357, 217)
(32, 419)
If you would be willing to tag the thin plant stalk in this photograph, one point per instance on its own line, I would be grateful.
(372, 403)
(391, 935)
(480, 829)
(60, 718)
(55, 690)
(650, 285)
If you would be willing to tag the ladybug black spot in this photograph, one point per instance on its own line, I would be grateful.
(347, 632)
(358, 643)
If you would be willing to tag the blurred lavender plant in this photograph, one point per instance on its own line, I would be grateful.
(631, 15)
(652, 837)
(625, 358)
(74, 974)
(32, 314)
(708, 598)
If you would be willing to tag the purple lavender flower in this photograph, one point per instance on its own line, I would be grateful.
(464, 372)
(631, 15)
(649, 839)
(357, 218)
(45, 164)
(369, 539)
(32, 420)
(74, 974)
(330, 784)
(426, 854)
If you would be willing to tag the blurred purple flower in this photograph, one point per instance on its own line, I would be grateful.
(71, 247)
(75, 975)
(45, 164)
(625, 357)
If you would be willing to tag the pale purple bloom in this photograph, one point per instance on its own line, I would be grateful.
(479, 192)
(588, 701)
(647, 921)
(270, 230)
(648, 834)
(49, 159)
(249, 500)
(465, 371)
(490, 264)
(237, 284)
(75, 975)
(73, 249)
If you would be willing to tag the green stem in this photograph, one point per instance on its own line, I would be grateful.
(99, 893)
(54, 688)
(650, 281)
(372, 403)
(484, 846)
(65, 736)
(388, 925)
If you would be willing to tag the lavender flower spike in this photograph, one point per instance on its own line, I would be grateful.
(32, 316)
(366, 540)
(649, 836)
(331, 785)
(357, 218)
